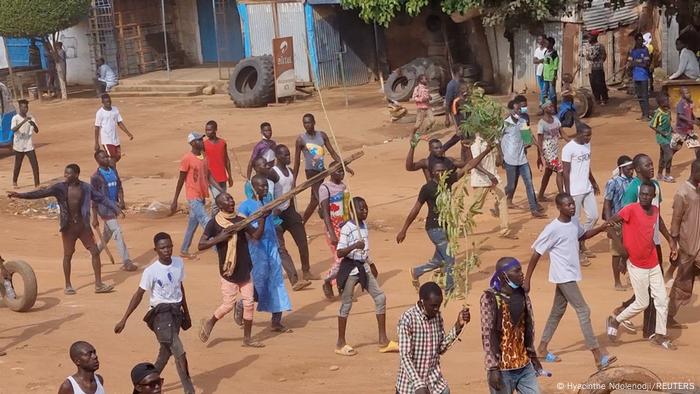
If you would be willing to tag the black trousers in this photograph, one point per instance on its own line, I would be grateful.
(19, 158)
(598, 86)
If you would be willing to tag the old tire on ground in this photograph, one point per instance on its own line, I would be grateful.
(399, 87)
(23, 302)
(252, 82)
(583, 100)
(605, 381)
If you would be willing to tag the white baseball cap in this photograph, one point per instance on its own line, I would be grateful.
(194, 136)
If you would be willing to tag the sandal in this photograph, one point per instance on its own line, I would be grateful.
(327, 290)
(610, 329)
(347, 350)
(662, 341)
(69, 291)
(203, 333)
(252, 343)
(301, 284)
(629, 326)
(415, 281)
(391, 347)
(104, 288)
(129, 267)
(606, 361)
(552, 358)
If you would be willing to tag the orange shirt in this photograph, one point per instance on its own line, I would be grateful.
(196, 182)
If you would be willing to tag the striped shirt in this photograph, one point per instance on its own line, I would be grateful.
(421, 342)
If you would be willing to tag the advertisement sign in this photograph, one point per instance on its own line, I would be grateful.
(283, 56)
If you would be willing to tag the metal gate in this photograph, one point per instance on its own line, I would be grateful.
(103, 43)
(339, 37)
(219, 31)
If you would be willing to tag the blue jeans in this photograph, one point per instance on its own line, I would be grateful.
(521, 381)
(440, 258)
(198, 215)
(550, 87)
(540, 84)
(512, 174)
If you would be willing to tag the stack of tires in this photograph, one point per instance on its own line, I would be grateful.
(400, 84)
(252, 82)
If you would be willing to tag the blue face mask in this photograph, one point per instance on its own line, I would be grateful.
(512, 284)
(523, 110)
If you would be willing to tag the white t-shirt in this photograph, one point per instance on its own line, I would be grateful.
(22, 140)
(561, 241)
(107, 121)
(163, 281)
(478, 178)
(283, 185)
(580, 158)
(539, 54)
(349, 235)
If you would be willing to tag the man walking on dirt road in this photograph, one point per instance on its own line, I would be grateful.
(167, 311)
(195, 176)
(85, 380)
(74, 198)
(313, 144)
(107, 119)
(106, 180)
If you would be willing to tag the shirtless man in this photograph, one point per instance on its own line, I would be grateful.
(74, 199)
(313, 144)
(437, 154)
(85, 380)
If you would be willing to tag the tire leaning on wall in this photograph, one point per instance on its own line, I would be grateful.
(252, 82)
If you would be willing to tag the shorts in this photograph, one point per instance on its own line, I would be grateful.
(617, 249)
(113, 151)
(74, 232)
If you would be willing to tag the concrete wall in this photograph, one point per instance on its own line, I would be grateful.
(188, 29)
(79, 63)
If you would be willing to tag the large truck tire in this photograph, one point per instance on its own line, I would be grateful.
(399, 86)
(22, 302)
(252, 82)
(605, 381)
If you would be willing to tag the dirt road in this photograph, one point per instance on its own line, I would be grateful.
(37, 342)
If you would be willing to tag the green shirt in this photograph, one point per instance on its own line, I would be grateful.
(551, 66)
(661, 123)
(632, 192)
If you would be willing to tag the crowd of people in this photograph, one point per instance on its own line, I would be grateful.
(253, 259)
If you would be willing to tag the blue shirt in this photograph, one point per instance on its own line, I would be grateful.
(639, 73)
(614, 190)
(250, 194)
(110, 177)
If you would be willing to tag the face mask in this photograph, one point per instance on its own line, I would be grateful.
(512, 284)
(523, 110)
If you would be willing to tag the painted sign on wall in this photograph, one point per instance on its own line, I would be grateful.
(283, 55)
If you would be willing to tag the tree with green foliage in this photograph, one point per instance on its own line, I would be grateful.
(494, 12)
(45, 19)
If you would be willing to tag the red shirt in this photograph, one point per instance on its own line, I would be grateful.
(196, 182)
(638, 235)
(216, 157)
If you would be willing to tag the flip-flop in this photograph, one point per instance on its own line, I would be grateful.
(104, 288)
(327, 290)
(69, 291)
(629, 326)
(606, 361)
(253, 344)
(129, 267)
(301, 284)
(610, 329)
(347, 350)
(665, 343)
(203, 334)
(552, 358)
(391, 347)
(415, 281)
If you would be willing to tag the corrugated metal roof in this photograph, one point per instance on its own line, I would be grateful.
(601, 16)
